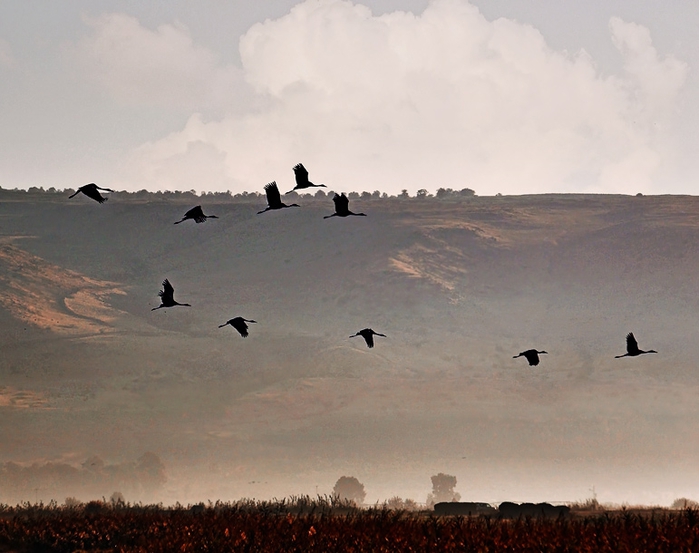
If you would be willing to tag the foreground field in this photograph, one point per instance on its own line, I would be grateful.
(276, 527)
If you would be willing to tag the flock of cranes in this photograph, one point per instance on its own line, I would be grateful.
(92, 191)
(632, 350)
(239, 324)
(167, 297)
(274, 202)
(531, 355)
(197, 215)
(632, 347)
(368, 335)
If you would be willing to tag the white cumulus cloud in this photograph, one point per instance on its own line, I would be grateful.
(656, 81)
(441, 99)
(160, 67)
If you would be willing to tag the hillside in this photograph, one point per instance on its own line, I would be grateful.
(458, 285)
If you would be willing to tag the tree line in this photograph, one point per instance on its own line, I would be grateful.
(93, 478)
(241, 197)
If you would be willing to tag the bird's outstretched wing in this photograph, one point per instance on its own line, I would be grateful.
(368, 335)
(274, 199)
(241, 327)
(168, 292)
(341, 203)
(196, 213)
(631, 343)
(301, 175)
(90, 190)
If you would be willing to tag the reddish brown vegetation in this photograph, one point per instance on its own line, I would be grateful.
(264, 527)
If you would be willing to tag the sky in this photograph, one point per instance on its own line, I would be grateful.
(500, 96)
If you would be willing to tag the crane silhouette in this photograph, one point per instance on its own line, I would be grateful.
(92, 191)
(342, 207)
(167, 296)
(301, 176)
(274, 199)
(239, 324)
(532, 356)
(632, 347)
(368, 335)
(197, 215)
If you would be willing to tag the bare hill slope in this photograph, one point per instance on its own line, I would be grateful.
(458, 286)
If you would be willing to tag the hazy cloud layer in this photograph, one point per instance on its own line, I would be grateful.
(156, 67)
(6, 58)
(445, 98)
